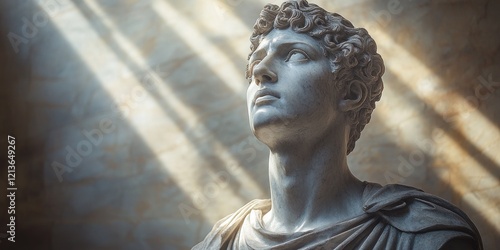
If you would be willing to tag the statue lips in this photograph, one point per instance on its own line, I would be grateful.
(265, 96)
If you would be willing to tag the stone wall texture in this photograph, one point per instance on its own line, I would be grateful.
(131, 126)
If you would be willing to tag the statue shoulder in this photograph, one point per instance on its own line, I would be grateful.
(433, 220)
(225, 229)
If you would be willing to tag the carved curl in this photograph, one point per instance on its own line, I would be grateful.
(352, 52)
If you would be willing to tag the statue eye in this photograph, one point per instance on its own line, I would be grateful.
(297, 55)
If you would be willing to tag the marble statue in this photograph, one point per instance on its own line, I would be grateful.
(314, 80)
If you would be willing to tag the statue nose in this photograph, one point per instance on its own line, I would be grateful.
(264, 74)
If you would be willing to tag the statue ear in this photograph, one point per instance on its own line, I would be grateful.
(354, 97)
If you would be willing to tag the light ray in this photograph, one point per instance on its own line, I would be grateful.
(204, 49)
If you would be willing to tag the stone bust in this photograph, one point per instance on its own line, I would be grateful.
(314, 80)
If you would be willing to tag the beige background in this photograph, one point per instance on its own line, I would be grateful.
(180, 155)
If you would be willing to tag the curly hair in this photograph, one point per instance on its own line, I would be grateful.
(352, 52)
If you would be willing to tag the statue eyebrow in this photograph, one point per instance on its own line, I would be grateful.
(258, 53)
(290, 44)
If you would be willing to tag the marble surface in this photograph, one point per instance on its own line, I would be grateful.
(141, 102)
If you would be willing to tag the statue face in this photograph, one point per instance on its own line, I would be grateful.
(290, 93)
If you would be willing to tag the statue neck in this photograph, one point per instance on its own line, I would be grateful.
(311, 186)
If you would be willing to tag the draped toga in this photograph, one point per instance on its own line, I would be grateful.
(394, 217)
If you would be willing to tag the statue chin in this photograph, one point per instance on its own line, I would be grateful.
(268, 133)
(267, 126)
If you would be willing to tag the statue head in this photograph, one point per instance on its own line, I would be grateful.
(352, 53)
